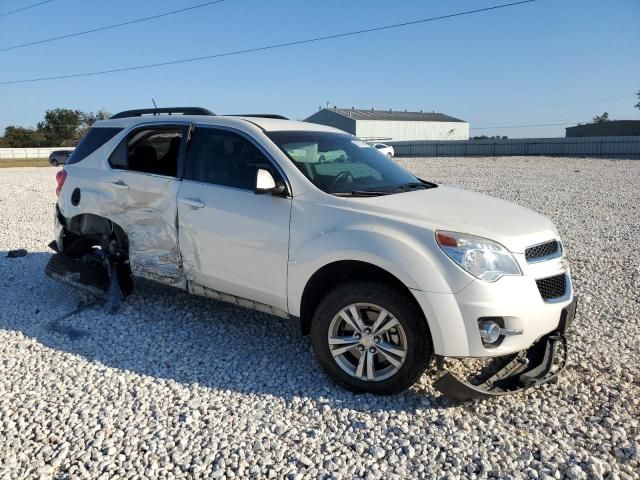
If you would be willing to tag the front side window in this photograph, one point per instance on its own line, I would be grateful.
(150, 150)
(339, 163)
(224, 158)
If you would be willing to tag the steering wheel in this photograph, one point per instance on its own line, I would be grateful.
(342, 176)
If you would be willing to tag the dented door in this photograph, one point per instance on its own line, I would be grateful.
(141, 189)
(144, 206)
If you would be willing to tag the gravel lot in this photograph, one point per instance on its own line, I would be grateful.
(176, 386)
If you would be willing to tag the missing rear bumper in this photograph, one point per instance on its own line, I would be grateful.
(542, 362)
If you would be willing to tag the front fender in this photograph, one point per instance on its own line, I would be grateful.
(399, 253)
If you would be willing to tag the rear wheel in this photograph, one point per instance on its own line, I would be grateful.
(370, 338)
(54, 162)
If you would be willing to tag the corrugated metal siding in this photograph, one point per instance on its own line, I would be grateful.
(610, 147)
(411, 130)
(612, 128)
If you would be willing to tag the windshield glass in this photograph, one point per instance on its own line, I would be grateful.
(340, 163)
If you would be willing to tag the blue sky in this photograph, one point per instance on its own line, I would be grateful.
(552, 61)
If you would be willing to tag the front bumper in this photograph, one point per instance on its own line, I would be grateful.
(540, 363)
(453, 318)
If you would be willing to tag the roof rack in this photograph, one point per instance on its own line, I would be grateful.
(157, 111)
(259, 115)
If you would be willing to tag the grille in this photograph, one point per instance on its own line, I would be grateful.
(552, 287)
(543, 250)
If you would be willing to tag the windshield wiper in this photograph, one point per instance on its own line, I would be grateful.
(409, 186)
(361, 193)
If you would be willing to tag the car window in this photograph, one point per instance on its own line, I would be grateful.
(341, 163)
(150, 150)
(93, 140)
(224, 158)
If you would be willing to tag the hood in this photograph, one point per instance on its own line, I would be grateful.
(457, 210)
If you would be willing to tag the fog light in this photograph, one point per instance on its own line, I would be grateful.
(489, 331)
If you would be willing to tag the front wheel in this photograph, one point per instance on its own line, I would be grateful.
(370, 338)
(54, 163)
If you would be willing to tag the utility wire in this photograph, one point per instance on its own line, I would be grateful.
(22, 9)
(266, 47)
(108, 27)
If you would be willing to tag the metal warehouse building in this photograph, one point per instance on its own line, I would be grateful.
(610, 128)
(392, 125)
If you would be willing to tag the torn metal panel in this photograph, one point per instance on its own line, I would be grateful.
(203, 291)
(146, 210)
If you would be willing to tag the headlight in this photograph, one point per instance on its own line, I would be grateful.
(481, 257)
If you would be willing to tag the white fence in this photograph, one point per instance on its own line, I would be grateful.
(606, 147)
(21, 153)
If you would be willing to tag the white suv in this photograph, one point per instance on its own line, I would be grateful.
(386, 271)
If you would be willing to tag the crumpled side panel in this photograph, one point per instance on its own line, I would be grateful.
(147, 213)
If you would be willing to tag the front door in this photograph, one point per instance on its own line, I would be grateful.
(140, 195)
(232, 240)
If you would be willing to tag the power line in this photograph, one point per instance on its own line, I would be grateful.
(266, 47)
(108, 27)
(22, 9)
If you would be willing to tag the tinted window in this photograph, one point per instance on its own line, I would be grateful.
(150, 150)
(224, 158)
(93, 140)
(340, 163)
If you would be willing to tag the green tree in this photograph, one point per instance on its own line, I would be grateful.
(601, 118)
(637, 105)
(60, 126)
(20, 137)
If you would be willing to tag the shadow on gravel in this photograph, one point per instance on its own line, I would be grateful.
(167, 334)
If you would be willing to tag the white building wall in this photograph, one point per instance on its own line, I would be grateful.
(414, 130)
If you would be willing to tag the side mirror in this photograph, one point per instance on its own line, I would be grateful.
(266, 184)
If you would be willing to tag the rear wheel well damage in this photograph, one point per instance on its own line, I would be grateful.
(83, 232)
(345, 271)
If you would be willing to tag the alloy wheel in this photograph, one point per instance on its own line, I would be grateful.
(367, 342)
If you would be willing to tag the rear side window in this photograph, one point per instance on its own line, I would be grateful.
(93, 140)
(150, 150)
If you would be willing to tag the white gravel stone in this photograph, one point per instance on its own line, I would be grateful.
(174, 386)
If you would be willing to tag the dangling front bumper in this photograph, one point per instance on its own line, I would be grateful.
(541, 362)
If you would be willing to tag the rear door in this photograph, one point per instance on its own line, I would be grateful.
(141, 189)
(232, 240)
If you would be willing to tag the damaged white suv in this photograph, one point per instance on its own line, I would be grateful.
(386, 271)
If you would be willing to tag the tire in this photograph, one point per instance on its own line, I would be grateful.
(390, 155)
(54, 163)
(412, 327)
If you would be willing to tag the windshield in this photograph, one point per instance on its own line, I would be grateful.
(339, 163)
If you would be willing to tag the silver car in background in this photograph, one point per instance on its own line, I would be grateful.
(59, 157)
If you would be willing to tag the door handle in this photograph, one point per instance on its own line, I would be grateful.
(121, 185)
(192, 202)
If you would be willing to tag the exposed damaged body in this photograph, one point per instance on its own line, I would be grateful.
(384, 270)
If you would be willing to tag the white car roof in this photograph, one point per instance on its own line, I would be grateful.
(267, 124)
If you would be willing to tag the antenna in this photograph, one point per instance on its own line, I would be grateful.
(155, 106)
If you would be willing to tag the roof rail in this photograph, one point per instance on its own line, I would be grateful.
(157, 111)
(259, 115)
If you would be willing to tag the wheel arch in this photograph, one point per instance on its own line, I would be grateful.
(342, 271)
(93, 227)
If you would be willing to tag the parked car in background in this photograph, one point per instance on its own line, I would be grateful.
(59, 157)
(386, 149)
(384, 270)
